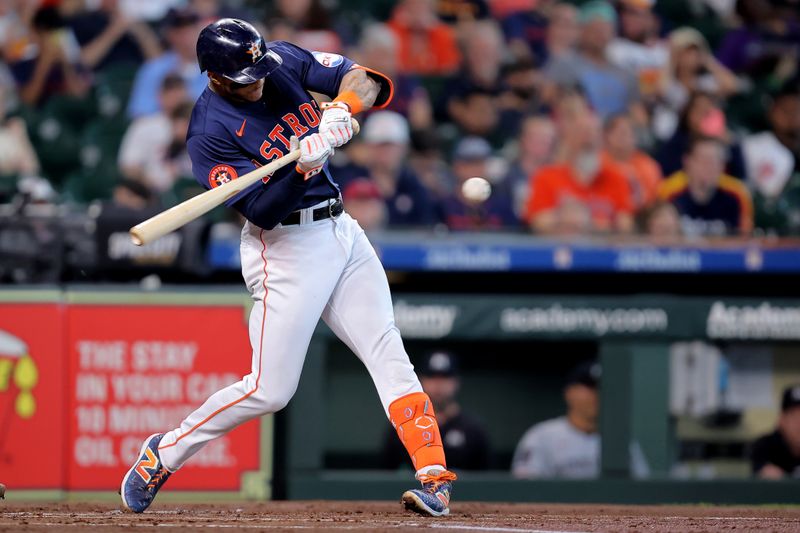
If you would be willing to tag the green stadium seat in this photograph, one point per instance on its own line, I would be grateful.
(113, 88)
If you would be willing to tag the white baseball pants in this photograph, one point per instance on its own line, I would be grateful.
(296, 274)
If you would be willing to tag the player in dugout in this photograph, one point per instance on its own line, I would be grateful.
(303, 256)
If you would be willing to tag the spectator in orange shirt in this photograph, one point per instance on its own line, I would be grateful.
(427, 45)
(582, 193)
(642, 172)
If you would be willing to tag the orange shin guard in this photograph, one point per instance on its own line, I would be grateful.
(413, 418)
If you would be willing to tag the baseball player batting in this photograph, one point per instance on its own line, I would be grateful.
(302, 255)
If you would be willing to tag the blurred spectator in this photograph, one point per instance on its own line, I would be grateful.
(365, 204)
(150, 135)
(661, 222)
(777, 455)
(691, 69)
(521, 85)
(50, 63)
(212, 10)
(483, 53)
(181, 31)
(609, 88)
(526, 31)
(562, 32)
(149, 10)
(467, 209)
(771, 157)
(427, 162)
(569, 446)
(641, 170)
(638, 48)
(306, 23)
(534, 150)
(711, 203)
(460, 11)
(378, 48)
(427, 45)
(464, 438)
(702, 117)
(131, 195)
(174, 162)
(108, 36)
(17, 156)
(581, 192)
(382, 158)
(475, 112)
(766, 46)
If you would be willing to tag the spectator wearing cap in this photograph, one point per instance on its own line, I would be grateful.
(475, 111)
(381, 157)
(579, 193)
(469, 211)
(609, 88)
(772, 156)
(427, 46)
(109, 36)
(569, 446)
(711, 203)
(365, 204)
(619, 149)
(638, 48)
(777, 455)
(465, 440)
(181, 28)
(150, 135)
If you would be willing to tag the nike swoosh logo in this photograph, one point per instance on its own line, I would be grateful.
(240, 131)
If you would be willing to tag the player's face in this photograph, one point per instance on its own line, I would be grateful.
(583, 402)
(239, 92)
(790, 427)
(441, 389)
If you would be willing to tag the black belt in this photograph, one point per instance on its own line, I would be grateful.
(332, 210)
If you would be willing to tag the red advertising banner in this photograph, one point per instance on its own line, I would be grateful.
(32, 391)
(140, 369)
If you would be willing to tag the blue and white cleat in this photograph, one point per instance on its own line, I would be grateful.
(434, 497)
(140, 485)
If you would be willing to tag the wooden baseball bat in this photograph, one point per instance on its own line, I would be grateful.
(183, 213)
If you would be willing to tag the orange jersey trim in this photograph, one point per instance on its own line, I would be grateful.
(387, 87)
(260, 354)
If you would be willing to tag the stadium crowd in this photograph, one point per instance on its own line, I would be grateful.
(669, 118)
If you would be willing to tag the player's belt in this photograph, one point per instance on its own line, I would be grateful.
(332, 210)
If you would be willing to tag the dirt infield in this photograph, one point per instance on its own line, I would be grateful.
(385, 516)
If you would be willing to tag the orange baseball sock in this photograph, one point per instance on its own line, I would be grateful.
(413, 418)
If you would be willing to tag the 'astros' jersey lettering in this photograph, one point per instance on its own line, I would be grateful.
(227, 140)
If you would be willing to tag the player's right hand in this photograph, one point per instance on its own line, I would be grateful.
(314, 151)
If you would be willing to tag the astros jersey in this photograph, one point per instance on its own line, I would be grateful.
(229, 139)
(729, 211)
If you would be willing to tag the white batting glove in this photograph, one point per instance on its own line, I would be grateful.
(314, 151)
(336, 123)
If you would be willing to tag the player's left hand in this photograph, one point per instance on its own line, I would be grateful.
(336, 123)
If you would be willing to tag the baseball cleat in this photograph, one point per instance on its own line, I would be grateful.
(140, 485)
(434, 497)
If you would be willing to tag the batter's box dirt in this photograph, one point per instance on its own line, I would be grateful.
(386, 516)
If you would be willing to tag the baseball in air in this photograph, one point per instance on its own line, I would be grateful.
(476, 189)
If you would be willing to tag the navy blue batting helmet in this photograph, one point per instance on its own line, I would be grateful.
(235, 50)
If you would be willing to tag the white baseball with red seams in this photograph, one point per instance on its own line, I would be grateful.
(296, 274)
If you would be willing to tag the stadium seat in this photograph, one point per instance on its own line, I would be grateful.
(113, 88)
